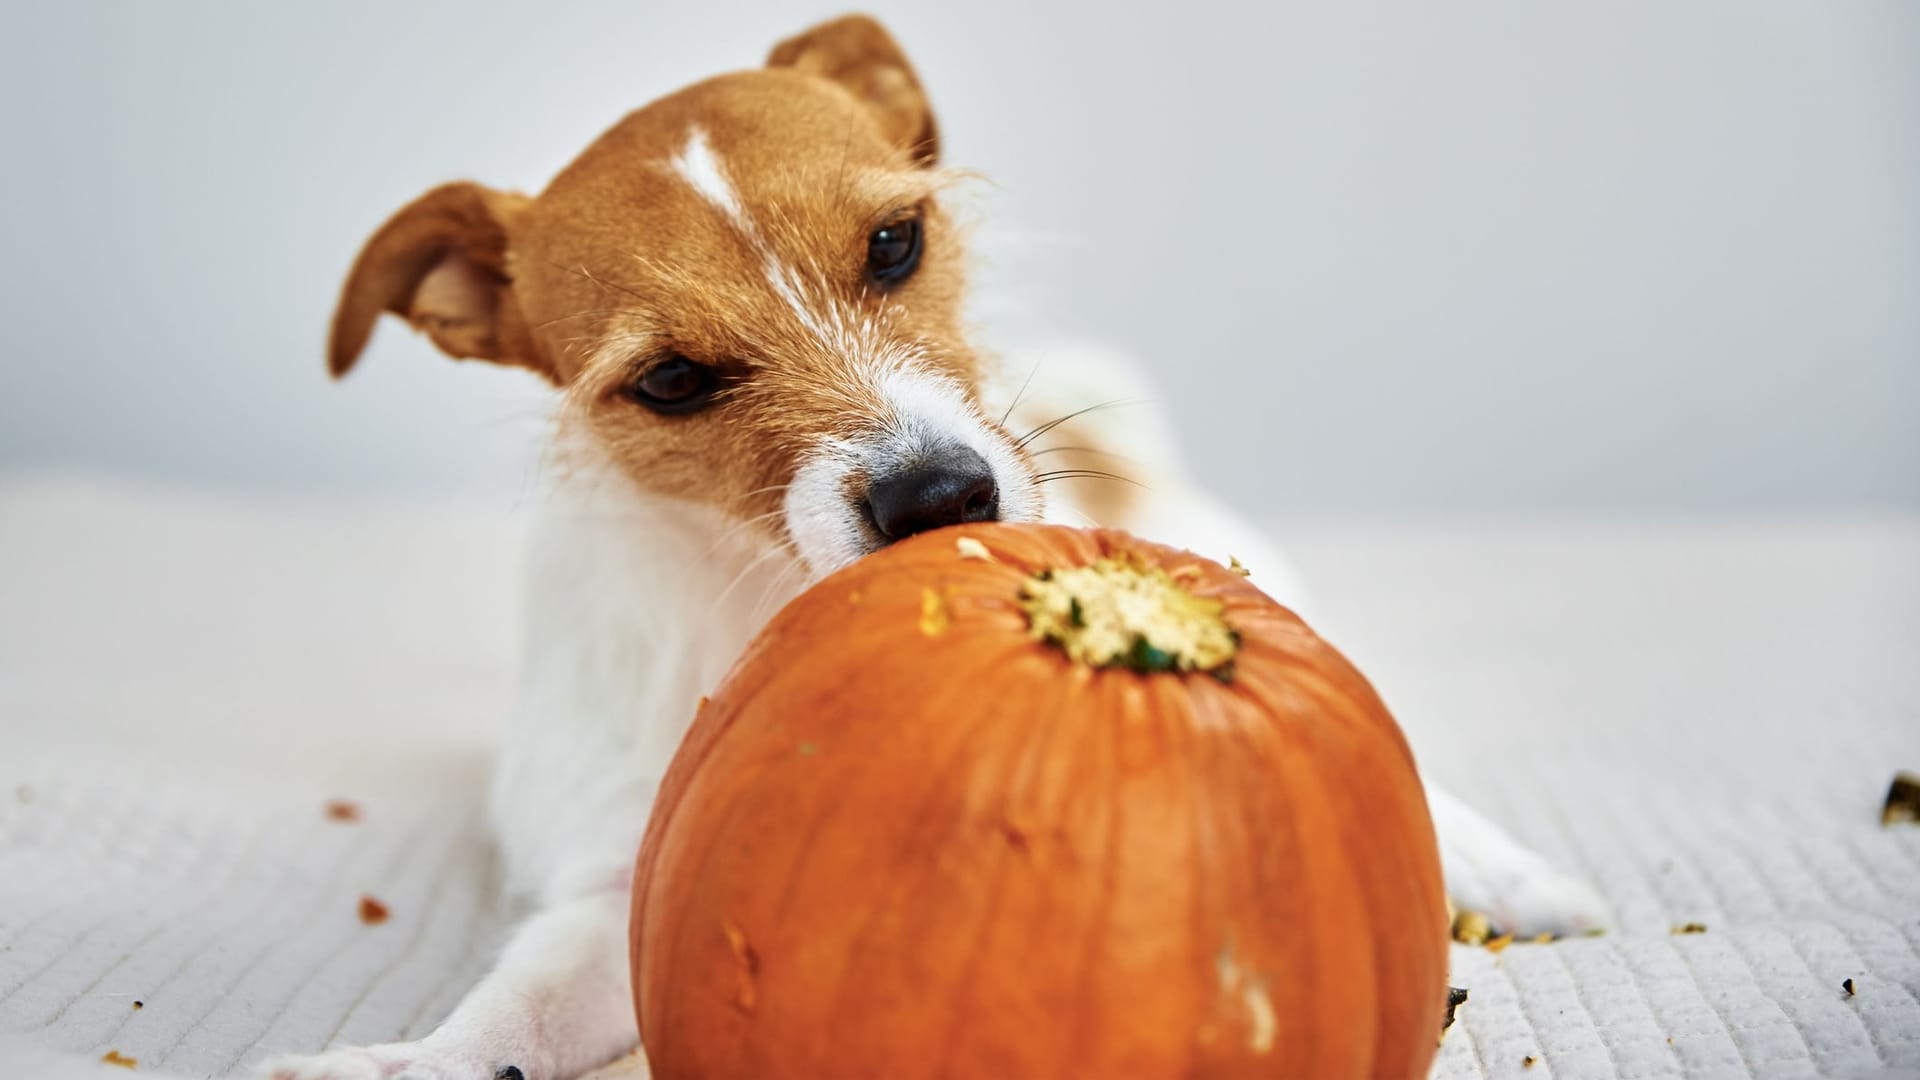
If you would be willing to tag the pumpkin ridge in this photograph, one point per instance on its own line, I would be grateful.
(1102, 911)
(1219, 855)
(1202, 857)
(1032, 752)
(1262, 757)
(869, 754)
(682, 929)
(885, 904)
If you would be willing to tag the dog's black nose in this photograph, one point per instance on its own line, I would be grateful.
(944, 488)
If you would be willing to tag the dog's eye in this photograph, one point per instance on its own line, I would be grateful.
(893, 251)
(675, 385)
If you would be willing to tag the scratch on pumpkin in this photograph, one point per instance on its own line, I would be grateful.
(748, 961)
(1263, 1025)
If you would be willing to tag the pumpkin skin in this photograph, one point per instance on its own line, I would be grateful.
(905, 839)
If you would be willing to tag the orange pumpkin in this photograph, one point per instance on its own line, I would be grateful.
(1013, 801)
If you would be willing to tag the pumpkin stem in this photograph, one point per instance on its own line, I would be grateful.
(1122, 612)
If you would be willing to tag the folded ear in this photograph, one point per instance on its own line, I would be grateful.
(442, 263)
(856, 52)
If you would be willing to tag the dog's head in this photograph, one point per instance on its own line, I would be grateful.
(748, 292)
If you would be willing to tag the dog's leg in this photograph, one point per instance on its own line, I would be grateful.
(557, 1004)
(1514, 886)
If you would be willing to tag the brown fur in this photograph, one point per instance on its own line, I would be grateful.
(620, 263)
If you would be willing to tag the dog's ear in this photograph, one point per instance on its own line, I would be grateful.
(441, 262)
(859, 54)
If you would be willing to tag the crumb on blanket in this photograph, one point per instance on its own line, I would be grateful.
(1903, 800)
(1471, 928)
(1456, 997)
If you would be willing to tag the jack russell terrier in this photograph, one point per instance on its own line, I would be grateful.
(749, 298)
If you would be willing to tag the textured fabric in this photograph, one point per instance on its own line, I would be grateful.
(1701, 718)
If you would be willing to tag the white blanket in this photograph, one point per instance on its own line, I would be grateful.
(1703, 718)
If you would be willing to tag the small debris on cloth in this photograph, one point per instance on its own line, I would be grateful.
(115, 1057)
(1527, 1062)
(1691, 928)
(1456, 997)
(1847, 985)
(1471, 928)
(344, 811)
(1495, 944)
(373, 912)
(1903, 800)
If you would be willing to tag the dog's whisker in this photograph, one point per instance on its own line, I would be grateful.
(1022, 392)
(1022, 442)
(737, 528)
(776, 586)
(1093, 450)
(1084, 519)
(752, 565)
(1085, 474)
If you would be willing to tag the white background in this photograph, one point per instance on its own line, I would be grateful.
(1408, 257)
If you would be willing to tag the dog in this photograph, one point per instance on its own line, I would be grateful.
(749, 298)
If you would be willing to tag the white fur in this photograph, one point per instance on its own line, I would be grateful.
(700, 167)
(786, 286)
(924, 412)
(929, 410)
(827, 531)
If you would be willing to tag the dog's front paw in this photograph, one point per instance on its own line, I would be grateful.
(1546, 901)
(394, 1061)
(1519, 891)
(1524, 895)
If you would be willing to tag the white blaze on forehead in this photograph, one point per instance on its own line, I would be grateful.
(699, 166)
(787, 285)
